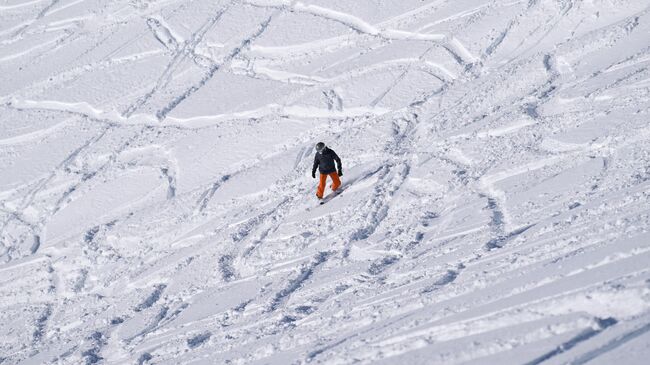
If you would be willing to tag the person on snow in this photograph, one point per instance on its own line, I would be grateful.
(324, 161)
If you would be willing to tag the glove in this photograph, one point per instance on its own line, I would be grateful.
(340, 172)
(313, 174)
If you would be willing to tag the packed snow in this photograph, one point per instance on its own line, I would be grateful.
(157, 204)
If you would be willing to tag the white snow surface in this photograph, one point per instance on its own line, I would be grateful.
(156, 203)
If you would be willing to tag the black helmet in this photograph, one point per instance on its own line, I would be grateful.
(320, 146)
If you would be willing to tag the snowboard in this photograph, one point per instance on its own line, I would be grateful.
(333, 194)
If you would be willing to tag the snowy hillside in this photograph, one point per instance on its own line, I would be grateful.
(156, 203)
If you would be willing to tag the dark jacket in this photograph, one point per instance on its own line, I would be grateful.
(325, 162)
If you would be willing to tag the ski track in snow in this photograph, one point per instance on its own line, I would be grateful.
(156, 204)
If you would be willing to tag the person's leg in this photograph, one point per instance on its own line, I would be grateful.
(321, 186)
(336, 182)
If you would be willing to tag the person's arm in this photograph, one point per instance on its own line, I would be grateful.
(339, 164)
(313, 169)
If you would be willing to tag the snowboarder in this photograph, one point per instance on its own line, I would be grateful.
(324, 161)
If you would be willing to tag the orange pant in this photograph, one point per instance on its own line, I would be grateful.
(336, 182)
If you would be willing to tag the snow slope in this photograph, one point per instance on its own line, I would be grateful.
(156, 204)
